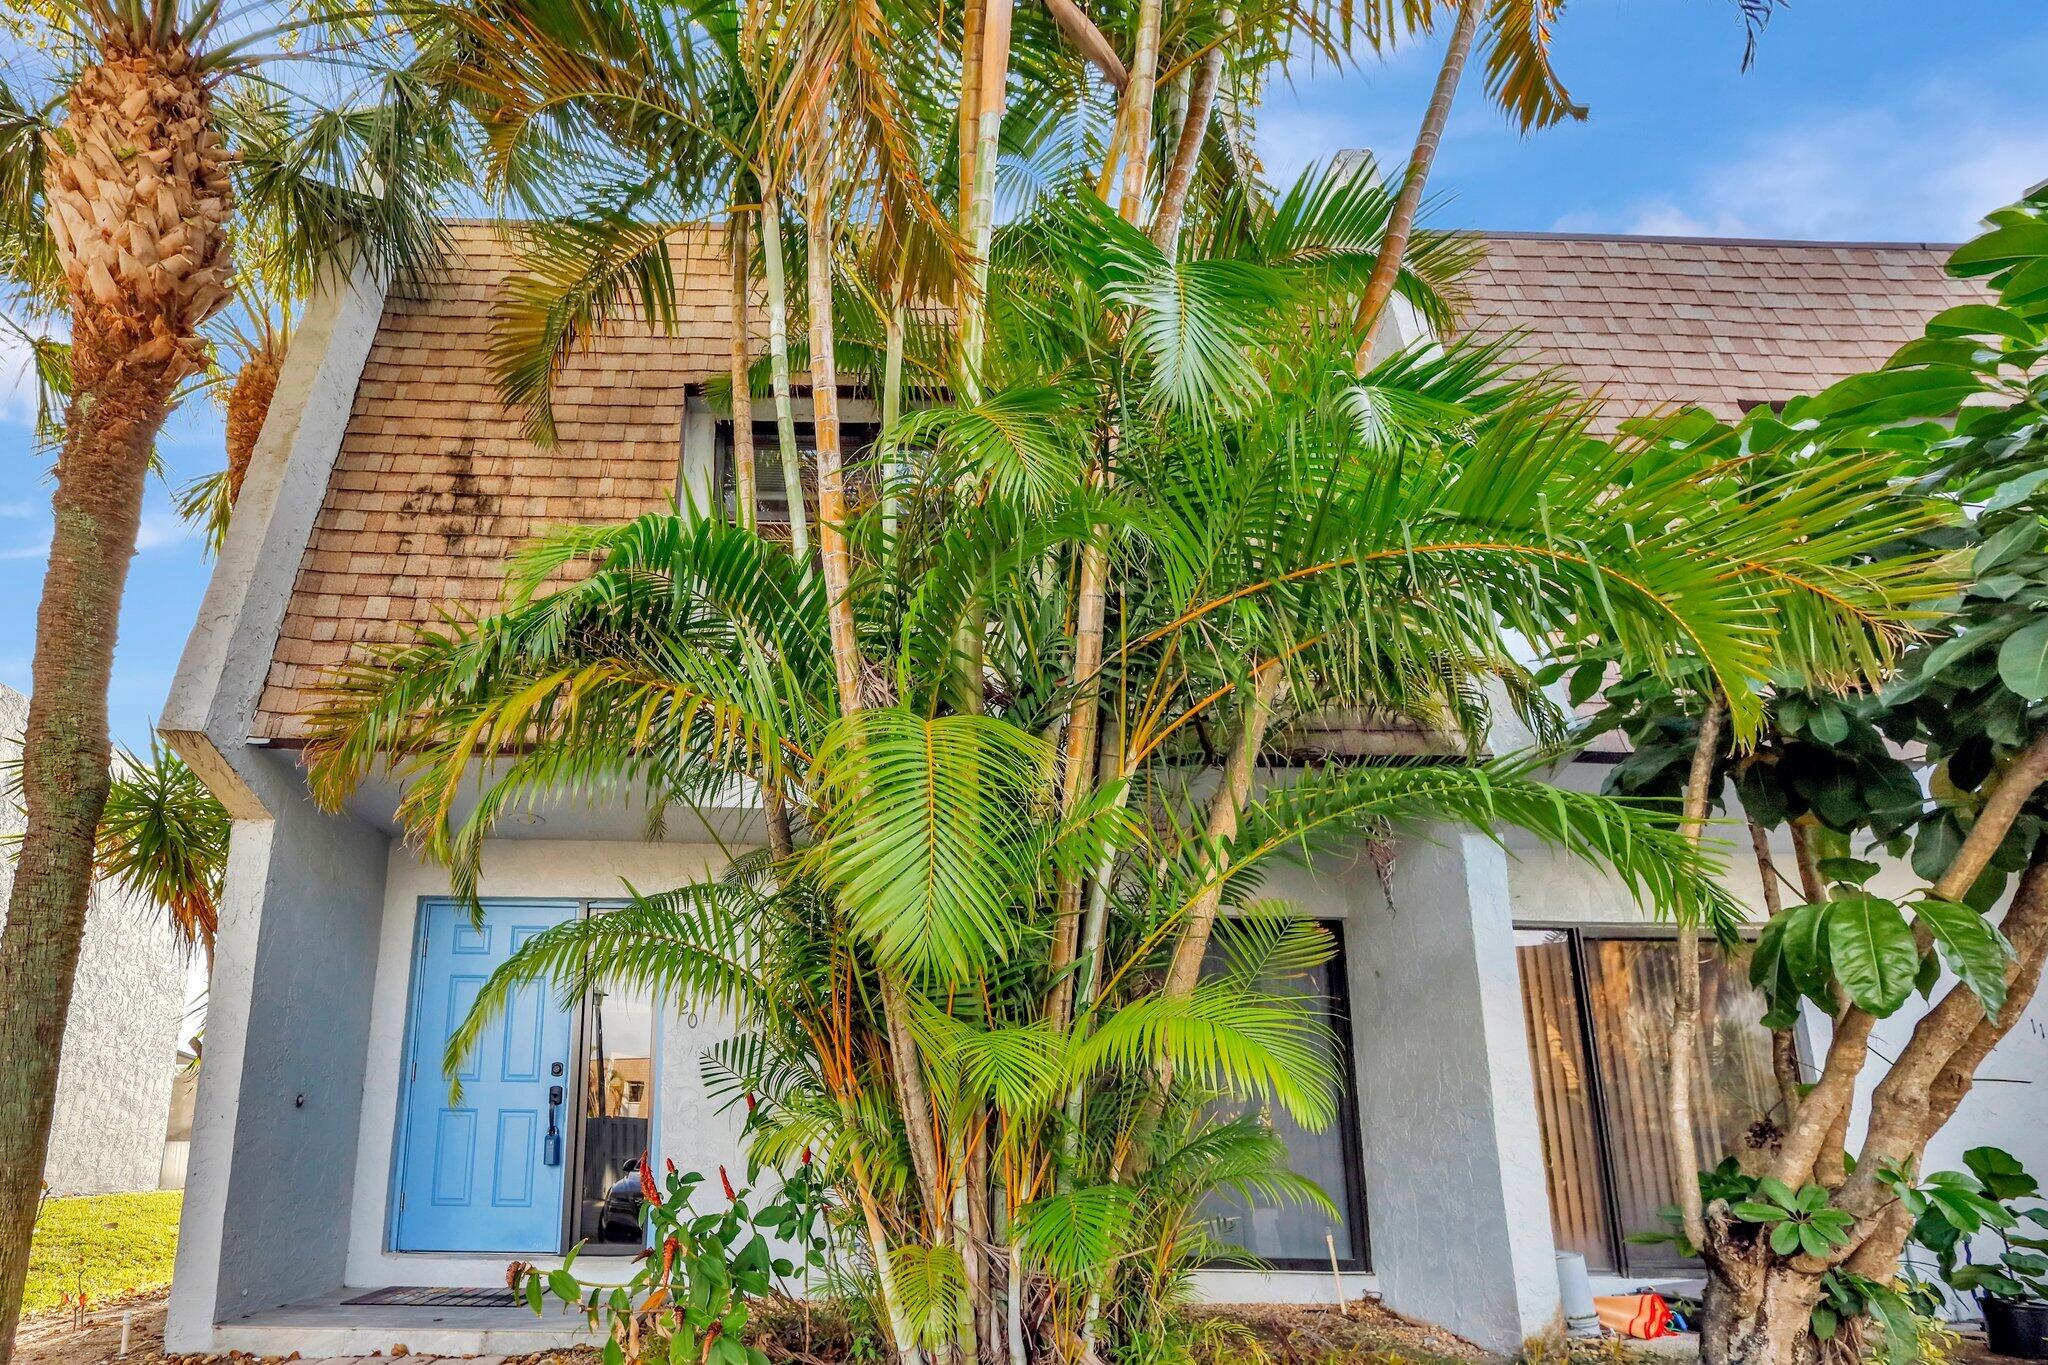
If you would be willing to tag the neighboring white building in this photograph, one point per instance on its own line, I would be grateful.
(1501, 1010)
(121, 1038)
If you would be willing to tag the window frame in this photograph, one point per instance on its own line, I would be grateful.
(1352, 1198)
(1577, 935)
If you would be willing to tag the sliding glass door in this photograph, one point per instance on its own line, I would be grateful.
(1598, 1007)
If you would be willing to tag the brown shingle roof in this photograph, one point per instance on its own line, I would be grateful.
(1650, 322)
(435, 486)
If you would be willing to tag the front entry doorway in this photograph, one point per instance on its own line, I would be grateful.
(542, 1146)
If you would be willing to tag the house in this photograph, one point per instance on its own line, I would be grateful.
(1501, 1007)
(121, 1036)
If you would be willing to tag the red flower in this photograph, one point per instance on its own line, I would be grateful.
(807, 1156)
(726, 1181)
(648, 1190)
(750, 1101)
(669, 1248)
(671, 1165)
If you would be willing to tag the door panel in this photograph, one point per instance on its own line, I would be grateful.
(474, 1176)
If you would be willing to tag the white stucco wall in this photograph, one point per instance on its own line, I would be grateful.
(121, 1036)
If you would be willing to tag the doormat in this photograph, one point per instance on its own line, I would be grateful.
(417, 1296)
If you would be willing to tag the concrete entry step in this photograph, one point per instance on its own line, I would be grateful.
(333, 1328)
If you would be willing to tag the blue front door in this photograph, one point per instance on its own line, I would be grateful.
(481, 1174)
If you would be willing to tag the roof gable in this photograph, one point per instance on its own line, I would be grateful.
(435, 486)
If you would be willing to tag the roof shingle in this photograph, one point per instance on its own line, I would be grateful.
(1647, 323)
(435, 486)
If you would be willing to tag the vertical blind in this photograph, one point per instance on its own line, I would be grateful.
(1606, 1134)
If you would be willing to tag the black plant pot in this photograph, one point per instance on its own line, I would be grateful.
(2016, 1328)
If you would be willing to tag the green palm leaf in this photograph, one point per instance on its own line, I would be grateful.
(924, 833)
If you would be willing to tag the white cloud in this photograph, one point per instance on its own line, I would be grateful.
(161, 529)
(1925, 166)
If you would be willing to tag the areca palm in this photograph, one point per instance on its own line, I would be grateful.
(1280, 538)
(122, 190)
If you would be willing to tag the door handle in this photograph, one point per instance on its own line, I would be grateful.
(551, 1145)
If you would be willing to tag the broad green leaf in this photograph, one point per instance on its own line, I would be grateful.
(1981, 319)
(2023, 660)
(2013, 244)
(1971, 947)
(1805, 948)
(1871, 949)
(2006, 544)
(2001, 1173)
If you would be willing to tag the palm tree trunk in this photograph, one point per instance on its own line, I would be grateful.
(248, 404)
(142, 161)
(892, 403)
(1379, 286)
(744, 504)
(778, 367)
(838, 574)
(994, 72)
(1685, 1020)
(969, 131)
(1138, 97)
(1187, 150)
(118, 406)
(1226, 807)
(1134, 138)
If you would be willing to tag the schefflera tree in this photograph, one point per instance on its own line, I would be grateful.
(1802, 1244)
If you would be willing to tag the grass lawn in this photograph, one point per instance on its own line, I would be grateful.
(105, 1244)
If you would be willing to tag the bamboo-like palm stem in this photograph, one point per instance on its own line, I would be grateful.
(1379, 286)
(838, 575)
(1137, 104)
(1187, 150)
(744, 502)
(1685, 1021)
(778, 367)
(994, 73)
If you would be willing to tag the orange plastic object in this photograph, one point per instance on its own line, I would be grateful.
(1642, 1316)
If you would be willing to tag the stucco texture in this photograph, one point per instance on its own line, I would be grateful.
(120, 1042)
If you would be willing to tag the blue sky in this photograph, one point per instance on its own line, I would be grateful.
(1862, 119)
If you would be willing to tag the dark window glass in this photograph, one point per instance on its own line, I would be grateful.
(771, 490)
(1294, 1233)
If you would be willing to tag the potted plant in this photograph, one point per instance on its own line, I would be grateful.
(1952, 1206)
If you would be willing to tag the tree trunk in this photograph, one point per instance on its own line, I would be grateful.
(778, 368)
(121, 398)
(1685, 1020)
(248, 404)
(744, 504)
(135, 311)
(1137, 104)
(1379, 286)
(1226, 807)
(1784, 1047)
(1757, 1310)
(993, 71)
(1187, 150)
